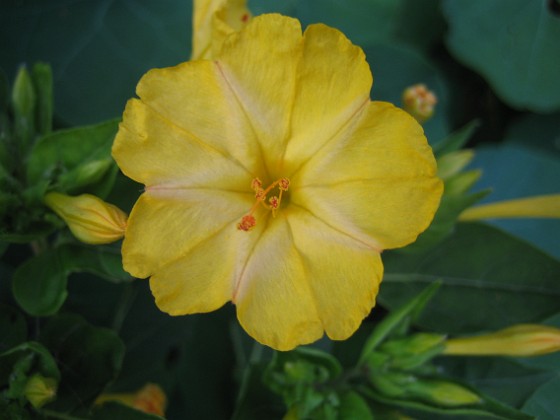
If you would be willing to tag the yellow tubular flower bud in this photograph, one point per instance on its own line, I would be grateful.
(40, 390)
(149, 399)
(517, 341)
(419, 102)
(542, 206)
(90, 219)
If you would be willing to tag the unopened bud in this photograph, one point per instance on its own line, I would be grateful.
(419, 102)
(517, 341)
(149, 399)
(442, 392)
(23, 95)
(89, 218)
(40, 390)
(436, 391)
(23, 103)
(413, 351)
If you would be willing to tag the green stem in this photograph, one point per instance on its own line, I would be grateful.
(62, 416)
(125, 303)
(254, 359)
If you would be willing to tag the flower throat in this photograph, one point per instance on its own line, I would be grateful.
(248, 221)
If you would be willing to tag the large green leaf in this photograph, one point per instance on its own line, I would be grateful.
(544, 403)
(366, 21)
(502, 378)
(75, 159)
(511, 43)
(490, 280)
(39, 284)
(89, 357)
(98, 49)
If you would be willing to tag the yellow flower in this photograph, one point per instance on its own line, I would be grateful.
(272, 181)
(90, 219)
(213, 21)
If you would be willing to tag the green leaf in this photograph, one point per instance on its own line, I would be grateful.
(354, 406)
(457, 139)
(397, 67)
(490, 280)
(98, 50)
(396, 319)
(544, 403)
(511, 43)
(25, 359)
(90, 358)
(41, 74)
(39, 284)
(367, 21)
(73, 158)
(505, 379)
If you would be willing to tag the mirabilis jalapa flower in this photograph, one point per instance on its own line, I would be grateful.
(272, 181)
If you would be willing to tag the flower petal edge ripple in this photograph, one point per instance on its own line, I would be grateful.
(272, 181)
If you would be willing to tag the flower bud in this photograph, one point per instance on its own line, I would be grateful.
(23, 95)
(413, 351)
(40, 390)
(442, 392)
(89, 218)
(23, 103)
(419, 102)
(435, 391)
(545, 206)
(149, 399)
(518, 341)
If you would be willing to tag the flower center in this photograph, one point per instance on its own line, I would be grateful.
(261, 194)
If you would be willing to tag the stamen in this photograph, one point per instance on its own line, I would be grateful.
(248, 221)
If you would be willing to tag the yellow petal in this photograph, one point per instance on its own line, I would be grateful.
(274, 301)
(333, 87)
(182, 159)
(304, 277)
(263, 79)
(539, 206)
(201, 279)
(166, 224)
(343, 274)
(376, 181)
(195, 98)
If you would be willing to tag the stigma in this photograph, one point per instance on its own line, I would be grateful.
(266, 198)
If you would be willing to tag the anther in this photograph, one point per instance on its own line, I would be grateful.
(247, 223)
